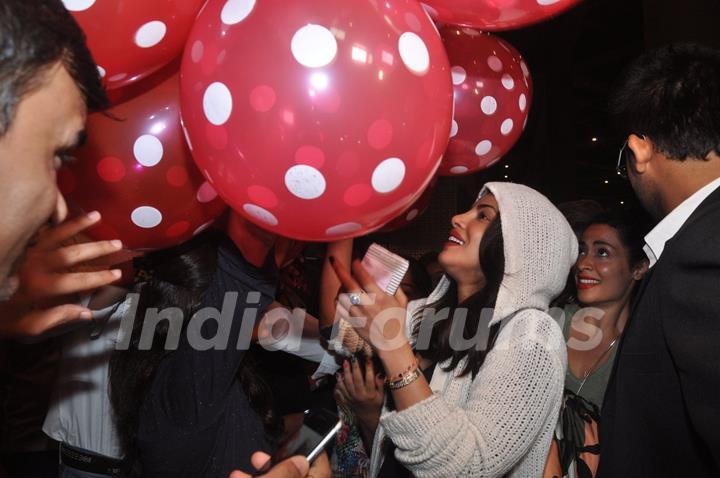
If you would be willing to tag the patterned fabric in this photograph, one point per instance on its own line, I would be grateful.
(575, 451)
(350, 460)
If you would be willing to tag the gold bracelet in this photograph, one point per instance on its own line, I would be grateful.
(406, 379)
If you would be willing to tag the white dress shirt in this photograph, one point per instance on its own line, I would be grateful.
(667, 228)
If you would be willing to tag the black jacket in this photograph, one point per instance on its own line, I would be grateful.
(661, 415)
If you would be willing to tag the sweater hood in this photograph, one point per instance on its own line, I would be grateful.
(539, 245)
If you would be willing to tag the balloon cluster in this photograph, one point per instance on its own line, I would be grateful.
(314, 120)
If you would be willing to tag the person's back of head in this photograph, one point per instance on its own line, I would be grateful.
(668, 107)
(672, 95)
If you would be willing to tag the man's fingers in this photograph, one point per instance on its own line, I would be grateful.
(367, 283)
(69, 256)
(39, 321)
(61, 233)
(73, 282)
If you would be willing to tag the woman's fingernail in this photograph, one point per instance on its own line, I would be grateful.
(346, 364)
(116, 244)
(116, 273)
(93, 216)
(86, 314)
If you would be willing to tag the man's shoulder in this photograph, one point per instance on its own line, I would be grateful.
(700, 235)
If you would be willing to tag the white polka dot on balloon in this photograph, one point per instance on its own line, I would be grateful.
(545, 3)
(458, 169)
(345, 228)
(522, 102)
(217, 103)
(488, 105)
(78, 5)
(148, 150)
(388, 175)
(101, 71)
(412, 214)
(453, 128)
(483, 147)
(458, 75)
(506, 127)
(146, 217)
(236, 11)
(313, 46)
(494, 63)
(508, 82)
(305, 182)
(150, 34)
(261, 214)
(414, 53)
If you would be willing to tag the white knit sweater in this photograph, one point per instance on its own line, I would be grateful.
(501, 422)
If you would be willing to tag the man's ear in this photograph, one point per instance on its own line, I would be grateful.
(642, 149)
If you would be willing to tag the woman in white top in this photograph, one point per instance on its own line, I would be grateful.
(492, 403)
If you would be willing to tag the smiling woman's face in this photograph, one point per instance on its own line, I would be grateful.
(460, 256)
(603, 273)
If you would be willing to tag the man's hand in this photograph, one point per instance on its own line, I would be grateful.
(49, 277)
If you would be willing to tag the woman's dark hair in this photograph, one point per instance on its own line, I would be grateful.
(176, 277)
(36, 34)
(492, 261)
(672, 95)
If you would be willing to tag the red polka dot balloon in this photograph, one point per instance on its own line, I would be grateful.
(493, 91)
(130, 39)
(495, 15)
(137, 171)
(317, 120)
(416, 210)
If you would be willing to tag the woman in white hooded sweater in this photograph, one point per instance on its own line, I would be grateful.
(492, 403)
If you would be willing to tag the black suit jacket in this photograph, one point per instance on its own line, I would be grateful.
(661, 415)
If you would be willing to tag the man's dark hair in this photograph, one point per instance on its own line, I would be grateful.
(34, 35)
(672, 95)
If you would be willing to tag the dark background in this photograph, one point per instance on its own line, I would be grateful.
(574, 59)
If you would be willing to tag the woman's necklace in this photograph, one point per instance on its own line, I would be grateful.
(594, 366)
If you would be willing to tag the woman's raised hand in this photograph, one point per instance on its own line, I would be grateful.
(378, 318)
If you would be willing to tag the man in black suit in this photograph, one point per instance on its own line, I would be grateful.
(661, 415)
